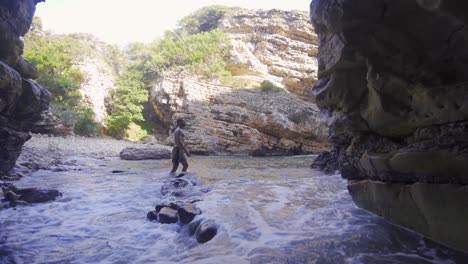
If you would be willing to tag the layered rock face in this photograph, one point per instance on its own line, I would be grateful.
(273, 45)
(97, 86)
(393, 85)
(21, 100)
(224, 120)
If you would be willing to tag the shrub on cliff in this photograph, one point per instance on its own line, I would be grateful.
(268, 86)
(203, 20)
(127, 102)
(85, 124)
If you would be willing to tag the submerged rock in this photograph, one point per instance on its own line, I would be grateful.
(145, 153)
(11, 196)
(152, 215)
(206, 231)
(187, 211)
(33, 195)
(167, 216)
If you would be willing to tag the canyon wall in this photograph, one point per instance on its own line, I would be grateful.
(275, 45)
(393, 88)
(21, 100)
(225, 120)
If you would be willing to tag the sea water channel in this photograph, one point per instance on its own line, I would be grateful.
(269, 210)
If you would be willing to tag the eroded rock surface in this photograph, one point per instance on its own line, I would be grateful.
(224, 120)
(21, 100)
(393, 87)
(275, 45)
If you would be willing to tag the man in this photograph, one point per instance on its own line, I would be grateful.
(179, 151)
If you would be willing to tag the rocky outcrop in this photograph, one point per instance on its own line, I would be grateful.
(224, 120)
(99, 80)
(392, 86)
(145, 153)
(21, 100)
(275, 45)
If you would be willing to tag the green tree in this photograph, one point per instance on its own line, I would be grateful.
(127, 102)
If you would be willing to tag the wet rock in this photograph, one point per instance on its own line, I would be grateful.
(152, 215)
(179, 183)
(206, 231)
(145, 153)
(33, 195)
(11, 196)
(59, 169)
(169, 205)
(167, 216)
(187, 211)
(174, 186)
(18, 203)
(326, 161)
(192, 227)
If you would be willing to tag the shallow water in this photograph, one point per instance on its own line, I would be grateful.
(269, 210)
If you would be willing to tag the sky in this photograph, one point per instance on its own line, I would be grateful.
(123, 21)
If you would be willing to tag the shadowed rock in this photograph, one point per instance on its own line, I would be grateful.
(33, 195)
(206, 231)
(187, 211)
(167, 216)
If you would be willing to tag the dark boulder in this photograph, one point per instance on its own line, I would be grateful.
(11, 196)
(152, 215)
(326, 161)
(33, 195)
(169, 205)
(206, 231)
(167, 216)
(192, 227)
(187, 211)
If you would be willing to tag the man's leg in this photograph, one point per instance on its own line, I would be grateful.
(175, 165)
(185, 165)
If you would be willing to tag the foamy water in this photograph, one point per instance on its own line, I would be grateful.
(269, 210)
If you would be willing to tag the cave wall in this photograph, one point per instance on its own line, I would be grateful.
(393, 87)
(21, 100)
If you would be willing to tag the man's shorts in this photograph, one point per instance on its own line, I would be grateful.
(178, 155)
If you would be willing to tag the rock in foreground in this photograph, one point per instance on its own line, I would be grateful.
(393, 87)
(145, 153)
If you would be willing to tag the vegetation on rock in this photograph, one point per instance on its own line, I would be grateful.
(56, 56)
(196, 46)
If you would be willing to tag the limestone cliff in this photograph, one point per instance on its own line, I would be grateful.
(274, 45)
(100, 66)
(224, 120)
(21, 100)
(392, 84)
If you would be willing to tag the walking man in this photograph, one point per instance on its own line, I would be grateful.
(179, 151)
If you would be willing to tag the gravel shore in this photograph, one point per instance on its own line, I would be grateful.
(44, 152)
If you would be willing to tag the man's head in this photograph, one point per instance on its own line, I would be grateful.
(180, 123)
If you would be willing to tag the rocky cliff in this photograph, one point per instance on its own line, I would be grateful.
(21, 100)
(392, 85)
(224, 120)
(274, 45)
